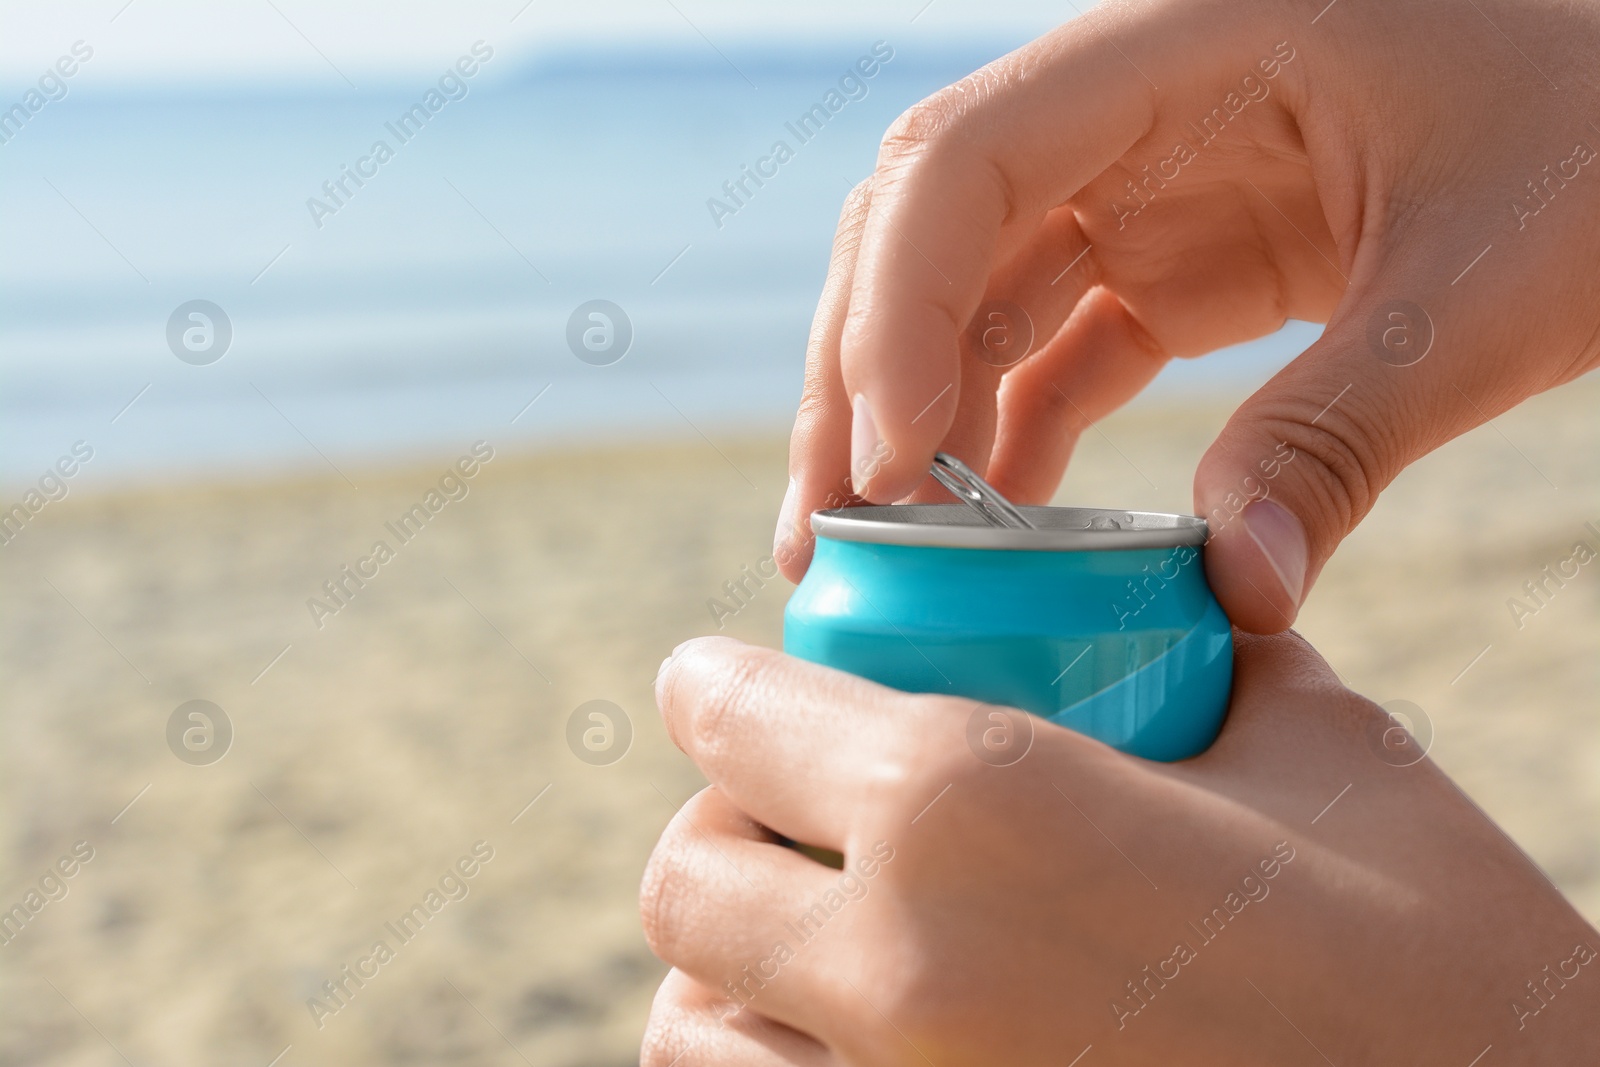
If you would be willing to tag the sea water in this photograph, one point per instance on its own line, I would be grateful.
(431, 307)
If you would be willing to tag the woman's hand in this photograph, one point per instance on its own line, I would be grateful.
(1162, 178)
(1306, 891)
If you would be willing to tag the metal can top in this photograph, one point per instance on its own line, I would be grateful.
(1055, 529)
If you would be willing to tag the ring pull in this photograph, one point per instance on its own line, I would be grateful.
(977, 494)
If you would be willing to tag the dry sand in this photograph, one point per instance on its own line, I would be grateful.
(425, 716)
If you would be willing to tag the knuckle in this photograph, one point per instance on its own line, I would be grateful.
(958, 123)
(817, 401)
(946, 752)
(1359, 715)
(1347, 712)
(857, 201)
(922, 1004)
(954, 112)
(1345, 462)
(847, 237)
(915, 128)
(935, 142)
(942, 759)
(1399, 740)
(847, 242)
(930, 121)
(913, 765)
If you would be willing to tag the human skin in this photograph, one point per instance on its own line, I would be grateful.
(1387, 157)
(1368, 154)
(1018, 901)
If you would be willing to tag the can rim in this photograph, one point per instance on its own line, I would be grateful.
(1055, 529)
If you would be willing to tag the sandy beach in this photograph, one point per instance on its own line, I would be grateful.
(381, 749)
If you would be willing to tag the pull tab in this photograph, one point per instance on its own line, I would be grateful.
(977, 494)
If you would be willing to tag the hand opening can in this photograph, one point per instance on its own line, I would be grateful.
(1100, 621)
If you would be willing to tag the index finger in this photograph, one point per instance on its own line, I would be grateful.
(823, 419)
(1019, 137)
(794, 745)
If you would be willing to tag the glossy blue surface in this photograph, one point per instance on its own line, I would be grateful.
(1128, 647)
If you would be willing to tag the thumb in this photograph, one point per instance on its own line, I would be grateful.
(1303, 460)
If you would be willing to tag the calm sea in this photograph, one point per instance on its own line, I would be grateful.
(431, 304)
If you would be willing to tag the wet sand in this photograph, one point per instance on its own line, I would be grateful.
(372, 754)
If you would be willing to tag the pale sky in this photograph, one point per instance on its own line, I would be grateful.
(179, 41)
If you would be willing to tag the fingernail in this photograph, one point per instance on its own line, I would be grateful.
(784, 537)
(674, 655)
(1282, 540)
(863, 446)
(661, 673)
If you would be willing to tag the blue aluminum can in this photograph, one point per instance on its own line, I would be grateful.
(1100, 621)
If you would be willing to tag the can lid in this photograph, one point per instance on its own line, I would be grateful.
(1054, 529)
